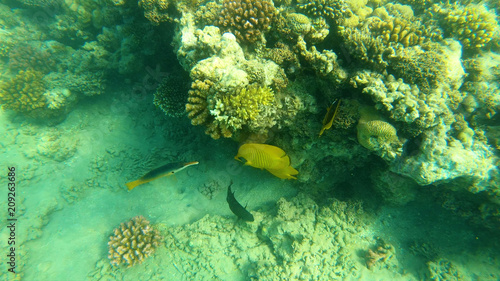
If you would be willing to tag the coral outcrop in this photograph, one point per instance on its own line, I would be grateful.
(132, 242)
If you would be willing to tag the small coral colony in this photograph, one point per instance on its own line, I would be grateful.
(414, 82)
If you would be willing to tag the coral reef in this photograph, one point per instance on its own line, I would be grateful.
(24, 92)
(230, 93)
(247, 20)
(132, 242)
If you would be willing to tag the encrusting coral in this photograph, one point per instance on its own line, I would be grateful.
(24, 92)
(246, 19)
(132, 242)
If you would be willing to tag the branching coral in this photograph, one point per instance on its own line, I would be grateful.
(328, 9)
(397, 30)
(246, 19)
(24, 92)
(473, 25)
(132, 242)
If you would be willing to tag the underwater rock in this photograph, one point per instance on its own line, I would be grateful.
(132, 242)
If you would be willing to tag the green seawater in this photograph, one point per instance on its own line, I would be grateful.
(405, 184)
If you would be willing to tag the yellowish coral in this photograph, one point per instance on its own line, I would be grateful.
(245, 103)
(473, 25)
(132, 242)
(399, 31)
(197, 106)
(24, 92)
(377, 135)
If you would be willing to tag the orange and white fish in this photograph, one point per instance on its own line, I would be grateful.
(163, 171)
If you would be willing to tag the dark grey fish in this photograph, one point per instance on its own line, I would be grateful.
(236, 207)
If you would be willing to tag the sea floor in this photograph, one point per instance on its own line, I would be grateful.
(71, 195)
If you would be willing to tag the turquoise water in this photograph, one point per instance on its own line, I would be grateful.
(402, 183)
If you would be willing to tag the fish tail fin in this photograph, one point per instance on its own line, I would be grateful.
(131, 185)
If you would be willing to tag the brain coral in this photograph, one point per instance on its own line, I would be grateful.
(246, 19)
(132, 242)
(24, 92)
(379, 136)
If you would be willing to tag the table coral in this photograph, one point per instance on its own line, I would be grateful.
(248, 20)
(132, 242)
(24, 92)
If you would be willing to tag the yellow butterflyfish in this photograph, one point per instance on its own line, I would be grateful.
(163, 171)
(269, 157)
(329, 116)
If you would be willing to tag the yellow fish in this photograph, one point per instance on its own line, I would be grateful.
(329, 116)
(271, 158)
(163, 171)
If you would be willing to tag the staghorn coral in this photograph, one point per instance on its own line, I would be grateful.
(473, 25)
(132, 242)
(24, 92)
(171, 95)
(246, 19)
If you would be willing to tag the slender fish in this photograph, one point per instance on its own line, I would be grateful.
(163, 171)
(236, 207)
